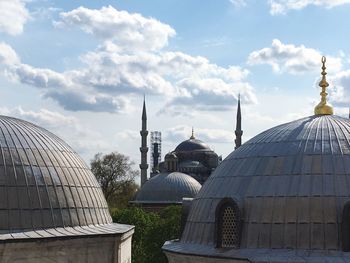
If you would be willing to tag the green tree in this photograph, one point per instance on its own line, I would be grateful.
(116, 176)
(167, 228)
(151, 231)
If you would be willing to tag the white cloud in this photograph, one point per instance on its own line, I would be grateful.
(13, 16)
(67, 88)
(122, 68)
(184, 80)
(81, 138)
(210, 94)
(292, 59)
(128, 134)
(122, 29)
(7, 55)
(46, 12)
(339, 90)
(107, 79)
(283, 6)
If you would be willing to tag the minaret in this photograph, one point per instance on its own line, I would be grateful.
(238, 131)
(144, 148)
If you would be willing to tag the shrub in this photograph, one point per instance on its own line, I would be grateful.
(151, 231)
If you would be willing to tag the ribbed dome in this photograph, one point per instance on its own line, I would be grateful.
(43, 182)
(290, 183)
(168, 188)
(192, 145)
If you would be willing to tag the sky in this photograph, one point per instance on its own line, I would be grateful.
(81, 68)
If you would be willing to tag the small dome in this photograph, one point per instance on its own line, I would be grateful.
(192, 145)
(43, 182)
(168, 188)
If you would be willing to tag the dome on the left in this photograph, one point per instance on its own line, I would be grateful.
(43, 183)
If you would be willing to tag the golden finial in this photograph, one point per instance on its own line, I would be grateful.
(192, 136)
(323, 108)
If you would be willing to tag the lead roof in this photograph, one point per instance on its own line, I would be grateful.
(168, 188)
(192, 145)
(291, 183)
(43, 183)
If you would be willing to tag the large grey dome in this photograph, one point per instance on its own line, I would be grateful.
(168, 188)
(290, 183)
(43, 182)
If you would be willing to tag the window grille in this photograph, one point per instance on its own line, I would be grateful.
(229, 226)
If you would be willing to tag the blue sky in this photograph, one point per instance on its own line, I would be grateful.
(80, 68)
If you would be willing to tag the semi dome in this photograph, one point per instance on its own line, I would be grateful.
(192, 145)
(168, 188)
(289, 185)
(43, 183)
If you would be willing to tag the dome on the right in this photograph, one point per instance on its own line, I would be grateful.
(283, 196)
(290, 185)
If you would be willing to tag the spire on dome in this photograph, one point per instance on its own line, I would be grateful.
(192, 135)
(323, 108)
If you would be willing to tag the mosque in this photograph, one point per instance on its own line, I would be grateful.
(52, 208)
(182, 172)
(283, 196)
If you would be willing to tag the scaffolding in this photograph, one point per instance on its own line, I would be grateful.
(156, 151)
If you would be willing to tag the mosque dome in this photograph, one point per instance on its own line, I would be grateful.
(44, 184)
(192, 144)
(168, 188)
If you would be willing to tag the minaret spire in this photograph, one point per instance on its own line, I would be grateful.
(238, 131)
(144, 148)
(323, 108)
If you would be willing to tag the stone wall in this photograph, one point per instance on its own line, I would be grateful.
(102, 249)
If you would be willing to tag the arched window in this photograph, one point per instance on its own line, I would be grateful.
(346, 227)
(228, 224)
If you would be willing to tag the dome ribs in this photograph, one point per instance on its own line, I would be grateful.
(79, 183)
(33, 138)
(291, 182)
(168, 188)
(47, 184)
